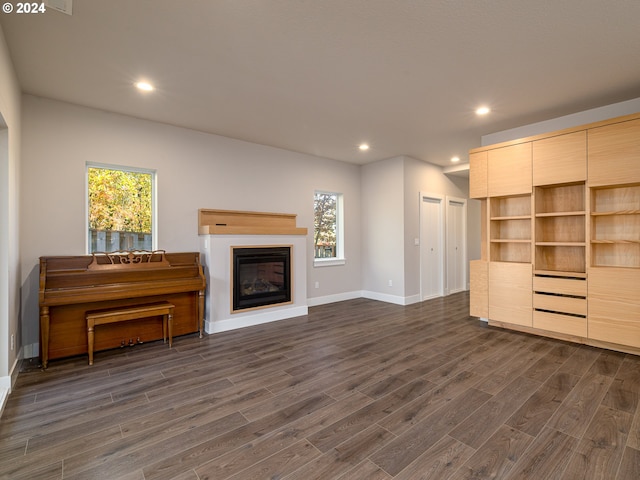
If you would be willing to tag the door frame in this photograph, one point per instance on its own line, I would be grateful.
(443, 266)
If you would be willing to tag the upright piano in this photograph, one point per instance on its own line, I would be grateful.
(71, 286)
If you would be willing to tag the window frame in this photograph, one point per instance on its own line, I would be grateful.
(340, 258)
(154, 196)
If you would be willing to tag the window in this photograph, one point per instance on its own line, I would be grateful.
(328, 229)
(121, 209)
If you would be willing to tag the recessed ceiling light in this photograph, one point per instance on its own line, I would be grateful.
(364, 147)
(144, 86)
(482, 110)
(455, 159)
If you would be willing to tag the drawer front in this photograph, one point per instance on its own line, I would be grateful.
(555, 303)
(556, 322)
(564, 286)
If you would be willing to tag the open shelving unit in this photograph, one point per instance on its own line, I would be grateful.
(510, 229)
(560, 243)
(615, 226)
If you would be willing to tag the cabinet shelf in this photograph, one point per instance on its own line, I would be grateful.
(615, 226)
(618, 212)
(604, 241)
(561, 214)
(507, 240)
(513, 217)
(561, 244)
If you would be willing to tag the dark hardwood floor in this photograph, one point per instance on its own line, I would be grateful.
(358, 390)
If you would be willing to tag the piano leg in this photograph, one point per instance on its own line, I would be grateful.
(44, 336)
(201, 312)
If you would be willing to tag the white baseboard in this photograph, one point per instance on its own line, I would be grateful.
(4, 395)
(339, 297)
(396, 299)
(257, 319)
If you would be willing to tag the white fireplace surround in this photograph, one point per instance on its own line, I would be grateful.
(216, 259)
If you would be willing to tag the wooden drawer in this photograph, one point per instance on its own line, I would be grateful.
(563, 286)
(556, 303)
(556, 322)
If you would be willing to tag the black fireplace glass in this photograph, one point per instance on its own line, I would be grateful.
(261, 276)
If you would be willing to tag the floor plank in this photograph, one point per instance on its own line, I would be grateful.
(353, 390)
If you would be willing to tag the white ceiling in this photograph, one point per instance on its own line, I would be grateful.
(322, 76)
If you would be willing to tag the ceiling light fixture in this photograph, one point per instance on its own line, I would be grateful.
(482, 110)
(144, 86)
(363, 147)
(455, 159)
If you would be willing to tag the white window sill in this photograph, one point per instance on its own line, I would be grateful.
(328, 262)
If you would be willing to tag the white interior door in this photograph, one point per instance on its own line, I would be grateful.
(456, 245)
(431, 246)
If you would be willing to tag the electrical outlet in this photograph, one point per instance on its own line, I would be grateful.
(317, 285)
(13, 341)
(391, 283)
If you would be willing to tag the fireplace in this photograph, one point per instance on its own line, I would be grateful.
(261, 276)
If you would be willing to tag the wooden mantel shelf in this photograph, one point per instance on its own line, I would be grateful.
(233, 222)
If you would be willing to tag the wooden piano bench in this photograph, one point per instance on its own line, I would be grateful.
(103, 317)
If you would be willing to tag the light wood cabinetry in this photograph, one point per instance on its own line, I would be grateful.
(510, 300)
(479, 284)
(561, 237)
(614, 305)
(560, 241)
(614, 153)
(560, 304)
(478, 173)
(615, 226)
(510, 229)
(560, 159)
(509, 170)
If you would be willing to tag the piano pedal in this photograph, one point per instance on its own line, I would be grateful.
(122, 344)
(139, 342)
(131, 344)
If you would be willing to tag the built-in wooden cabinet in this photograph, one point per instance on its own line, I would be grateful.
(510, 229)
(479, 285)
(615, 226)
(509, 170)
(510, 300)
(478, 173)
(561, 234)
(614, 153)
(614, 305)
(560, 159)
(560, 238)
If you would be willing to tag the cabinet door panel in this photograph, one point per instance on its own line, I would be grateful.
(510, 293)
(614, 154)
(479, 283)
(509, 170)
(614, 305)
(560, 159)
(478, 175)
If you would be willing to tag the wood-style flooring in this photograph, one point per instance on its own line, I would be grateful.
(358, 390)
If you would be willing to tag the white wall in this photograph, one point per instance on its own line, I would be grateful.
(427, 178)
(10, 124)
(383, 230)
(194, 170)
(391, 223)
